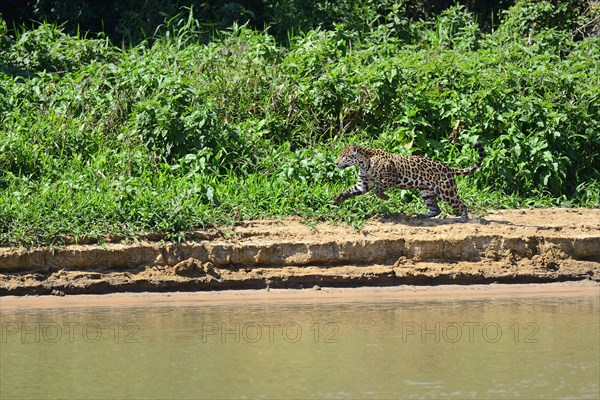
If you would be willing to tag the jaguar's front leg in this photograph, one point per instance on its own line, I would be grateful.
(354, 191)
(380, 191)
(361, 187)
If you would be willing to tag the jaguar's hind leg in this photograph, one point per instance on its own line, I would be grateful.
(449, 193)
(430, 199)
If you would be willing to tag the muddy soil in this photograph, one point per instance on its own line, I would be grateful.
(510, 246)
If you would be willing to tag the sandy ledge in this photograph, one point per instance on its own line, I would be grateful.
(361, 294)
(510, 246)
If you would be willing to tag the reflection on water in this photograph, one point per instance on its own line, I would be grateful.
(527, 348)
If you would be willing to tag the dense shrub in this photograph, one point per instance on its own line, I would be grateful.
(131, 21)
(178, 133)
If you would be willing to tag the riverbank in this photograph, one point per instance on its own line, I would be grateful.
(509, 246)
(358, 294)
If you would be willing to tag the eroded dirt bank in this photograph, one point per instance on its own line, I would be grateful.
(513, 246)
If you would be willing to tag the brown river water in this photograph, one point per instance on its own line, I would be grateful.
(485, 347)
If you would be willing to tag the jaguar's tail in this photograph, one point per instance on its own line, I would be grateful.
(472, 168)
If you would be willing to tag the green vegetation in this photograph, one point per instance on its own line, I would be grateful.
(132, 21)
(179, 133)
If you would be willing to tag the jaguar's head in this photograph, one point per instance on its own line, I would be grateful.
(348, 156)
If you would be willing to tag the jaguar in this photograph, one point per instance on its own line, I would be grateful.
(381, 170)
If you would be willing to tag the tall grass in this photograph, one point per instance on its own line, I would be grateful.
(178, 134)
